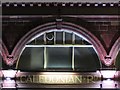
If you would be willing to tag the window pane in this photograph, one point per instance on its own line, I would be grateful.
(31, 43)
(59, 57)
(86, 59)
(40, 40)
(31, 59)
(78, 40)
(68, 38)
(59, 37)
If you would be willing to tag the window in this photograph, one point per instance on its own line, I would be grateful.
(59, 50)
(32, 59)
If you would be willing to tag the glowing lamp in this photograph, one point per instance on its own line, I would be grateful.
(108, 74)
(8, 74)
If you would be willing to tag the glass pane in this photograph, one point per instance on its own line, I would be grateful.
(59, 57)
(40, 40)
(59, 37)
(32, 42)
(86, 43)
(78, 40)
(31, 59)
(68, 38)
(86, 59)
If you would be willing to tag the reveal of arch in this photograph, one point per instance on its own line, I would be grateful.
(117, 61)
(115, 50)
(65, 25)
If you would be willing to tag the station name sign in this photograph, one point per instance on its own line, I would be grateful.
(58, 79)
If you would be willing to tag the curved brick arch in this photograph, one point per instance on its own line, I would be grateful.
(65, 25)
(115, 50)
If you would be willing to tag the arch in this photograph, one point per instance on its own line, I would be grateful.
(115, 50)
(65, 25)
(4, 53)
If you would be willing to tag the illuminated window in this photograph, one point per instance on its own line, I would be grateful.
(58, 50)
(59, 57)
(32, 58)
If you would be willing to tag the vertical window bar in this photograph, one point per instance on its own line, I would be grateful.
(45, 59)
(63, 37)
(73, 58)
(45, 39)
(45, 51)
(54, 38)
(73, 38)
(73, 42)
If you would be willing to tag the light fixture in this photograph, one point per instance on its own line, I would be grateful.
(31, 4)
(108, 74)
(111, 4)
(7, 5)
(96, 4)
(79, 4)
(9, 78)
(9, 74)
(23, 4)
(39, 4)
(15, 5)
(71, 4)
(63, 4)
(87, 4)
(103, 4)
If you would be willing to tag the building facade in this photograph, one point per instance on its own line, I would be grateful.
(60, 44)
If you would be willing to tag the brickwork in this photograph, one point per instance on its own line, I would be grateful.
(104, 26)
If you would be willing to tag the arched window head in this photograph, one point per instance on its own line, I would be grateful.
(62, 37)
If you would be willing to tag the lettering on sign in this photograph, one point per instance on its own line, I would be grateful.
(58, 79)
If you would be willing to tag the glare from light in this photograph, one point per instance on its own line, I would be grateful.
(98, 72)
(103, 4)
(15, 5)
(9, 73)
(79, 4)
(9, 83)
(108, 83)
(87, 4)
(96, 4)
(8, 78)
(108, 73)
(23, 5)
(108, 79)
(111, 4)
